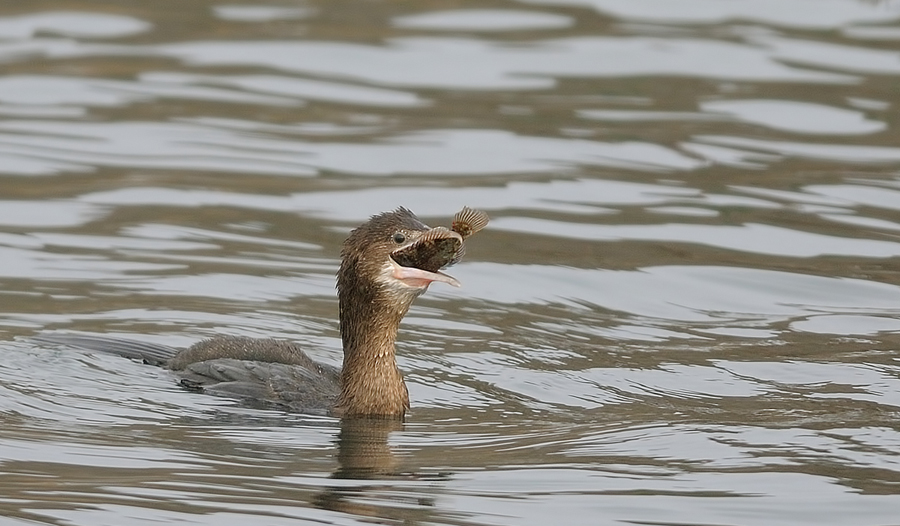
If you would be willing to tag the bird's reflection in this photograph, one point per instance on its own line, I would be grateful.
(363, 450)
(364, 454)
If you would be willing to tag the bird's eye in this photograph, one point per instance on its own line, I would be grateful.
(399, 238)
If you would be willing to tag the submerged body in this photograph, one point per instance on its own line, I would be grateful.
(385, 264)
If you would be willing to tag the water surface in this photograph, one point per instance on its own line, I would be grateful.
(686, 309)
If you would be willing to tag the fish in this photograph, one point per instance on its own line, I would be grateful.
(436, 249)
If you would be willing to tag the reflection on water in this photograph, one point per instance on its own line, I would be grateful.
(801, 14)
(483, 20)
(685, 309)
(75, 24)
(790, 116)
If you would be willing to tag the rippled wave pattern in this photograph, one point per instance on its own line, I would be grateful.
(685, 310)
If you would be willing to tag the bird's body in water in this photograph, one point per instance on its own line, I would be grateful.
(385, 264)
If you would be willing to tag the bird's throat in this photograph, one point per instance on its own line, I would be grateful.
(371, 383)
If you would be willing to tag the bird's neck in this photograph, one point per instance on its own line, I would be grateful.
(371, 383)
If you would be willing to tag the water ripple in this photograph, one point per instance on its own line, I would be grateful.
(755, 238)
(682, 293)
(483, 20)
(73, 23)
(197, 146)
(805, 14)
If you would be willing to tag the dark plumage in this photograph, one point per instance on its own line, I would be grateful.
(386, 263)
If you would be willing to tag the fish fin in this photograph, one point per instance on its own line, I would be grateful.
(469, 221)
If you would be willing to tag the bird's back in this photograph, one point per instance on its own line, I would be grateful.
(258, 369)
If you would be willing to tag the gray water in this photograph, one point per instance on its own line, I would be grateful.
(686, 309)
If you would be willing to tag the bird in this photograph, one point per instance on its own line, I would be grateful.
(386, 263)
